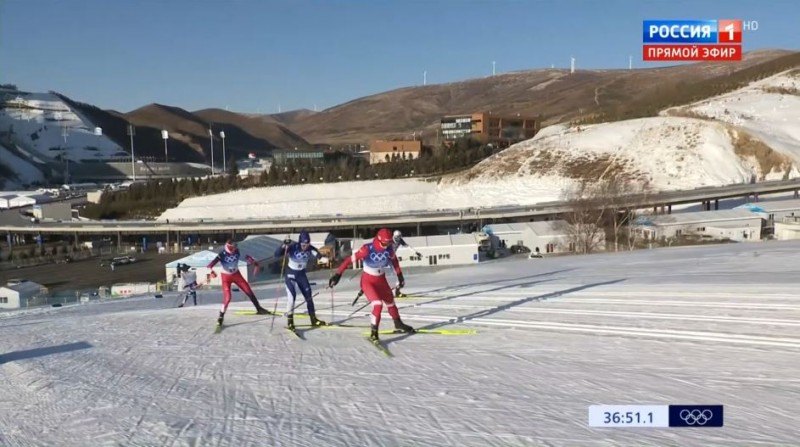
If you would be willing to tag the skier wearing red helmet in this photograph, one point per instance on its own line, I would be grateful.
(377, 256)
(228, 258)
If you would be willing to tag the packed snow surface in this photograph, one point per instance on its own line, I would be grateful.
(703, 325)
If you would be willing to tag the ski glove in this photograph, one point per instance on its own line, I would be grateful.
(334, 280)
(213, 274)
(401, 282)
(287, 242)
(419, 255)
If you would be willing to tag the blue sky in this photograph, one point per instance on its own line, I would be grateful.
(257, 55)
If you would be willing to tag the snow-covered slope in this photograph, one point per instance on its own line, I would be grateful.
(758, 137)
(25, 172)
(710, 325)
(38, 122)
(768, 109)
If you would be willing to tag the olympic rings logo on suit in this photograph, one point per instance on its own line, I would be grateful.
(301, 255)
(378, 257)
(696, 417)
(231, 259)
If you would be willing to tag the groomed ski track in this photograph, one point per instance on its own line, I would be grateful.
(694, 325)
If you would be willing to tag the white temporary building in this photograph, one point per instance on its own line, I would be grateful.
(550, 236)
(448, 249)
(16, 294)
(774, 210)
(261, 248)
(5, 200)
(739, 224)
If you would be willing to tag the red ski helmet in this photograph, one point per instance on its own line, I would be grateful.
(383, 238)
(230, 246)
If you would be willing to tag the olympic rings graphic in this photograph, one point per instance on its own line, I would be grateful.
(696, 417)
(231, 259)
(378, 257)
(301, 255)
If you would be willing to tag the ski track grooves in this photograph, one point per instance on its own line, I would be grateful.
(156, 375)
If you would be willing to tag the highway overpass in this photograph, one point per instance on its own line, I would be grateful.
(660, 201)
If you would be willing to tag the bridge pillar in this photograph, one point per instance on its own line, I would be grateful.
(669, 209)
(180, 243)
(755, 197)
(419, 229)
(75, 242)
(655, 210)
(716, 204)
(167, 245)
(355, 231)
(796, 194)
(119, 241)
(233, 234)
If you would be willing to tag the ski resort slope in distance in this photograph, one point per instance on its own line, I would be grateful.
(691, 325)
(666, 152)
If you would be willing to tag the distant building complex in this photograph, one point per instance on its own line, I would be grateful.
(488, 127)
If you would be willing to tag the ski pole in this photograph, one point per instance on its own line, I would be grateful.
(277, 294)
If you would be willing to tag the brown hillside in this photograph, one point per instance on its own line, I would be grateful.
(247, 131)
(555, 94)
(292, 116)
(147, 142)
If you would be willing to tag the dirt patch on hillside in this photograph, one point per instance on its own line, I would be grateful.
(782, 90)
(748, 147)
(583, 167)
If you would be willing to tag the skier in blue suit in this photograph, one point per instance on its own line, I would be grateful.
(298, 254)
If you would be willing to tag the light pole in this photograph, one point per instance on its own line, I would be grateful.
(211, 137)
(131, 133)
(165, 136)
(224, 157)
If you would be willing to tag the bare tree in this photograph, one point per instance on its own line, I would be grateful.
(584, 227)
(601, 209)
(619, 197)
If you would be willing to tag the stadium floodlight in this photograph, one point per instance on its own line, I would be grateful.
(131, 133)
(224, 157)
(165, 137)
(211, 137)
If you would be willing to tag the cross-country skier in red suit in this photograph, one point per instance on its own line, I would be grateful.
(377, 256)
(228, 258)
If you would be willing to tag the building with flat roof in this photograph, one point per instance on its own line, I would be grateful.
(489, 127)
(284, 156)
(381, 151)
(740, 224)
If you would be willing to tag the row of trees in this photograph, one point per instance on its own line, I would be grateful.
(153, 197)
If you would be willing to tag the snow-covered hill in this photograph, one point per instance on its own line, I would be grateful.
(692, 325)
(750, 132)
(768, 109)
(38, 123)
(24, 171)
(758, 137)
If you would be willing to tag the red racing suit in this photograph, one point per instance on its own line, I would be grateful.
(373, 278)
(231, 275)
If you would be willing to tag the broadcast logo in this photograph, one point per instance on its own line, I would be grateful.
(694, 40)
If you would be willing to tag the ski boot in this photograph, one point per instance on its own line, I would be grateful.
(399, 326)
(180, 305)
(399, 294)
(316, 322)
(290, 322)
(220, 319)
(373, 335)
(259, 310)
